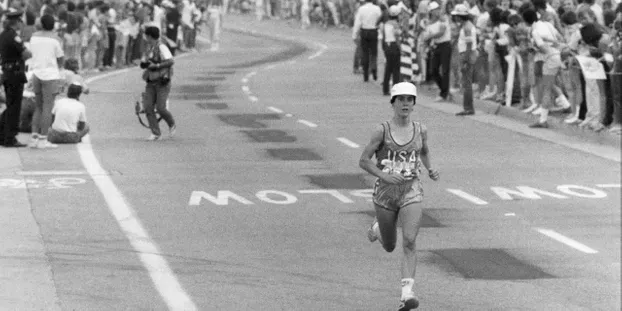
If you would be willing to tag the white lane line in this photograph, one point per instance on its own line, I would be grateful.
(510, 214)
(467, 196)
(608, 185)
(289, 115)
(161, 274)
(323, 48)
(253, 98)
(148, 251)
(244, 80)
(307, 123)
(566, 240)
(53, 173)
(277, 110)
(245, 89)
(348, 142)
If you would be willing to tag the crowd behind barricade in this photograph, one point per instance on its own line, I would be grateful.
(541, 56)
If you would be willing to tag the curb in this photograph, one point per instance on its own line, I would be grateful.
(555, 123)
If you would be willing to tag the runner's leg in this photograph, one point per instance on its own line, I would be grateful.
(410, 217)
(387, 221)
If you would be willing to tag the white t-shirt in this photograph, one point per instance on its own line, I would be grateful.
(67, 113)
(165, 53)
(45, 48)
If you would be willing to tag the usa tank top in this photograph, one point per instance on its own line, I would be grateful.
(394, 158)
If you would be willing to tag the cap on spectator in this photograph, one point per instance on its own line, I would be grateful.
(433, 6)
(13, 13)
(394, 10)
(460, 9)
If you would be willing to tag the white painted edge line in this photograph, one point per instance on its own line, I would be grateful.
(323, 48)
(245, 89)
(307, 123)
(161, 274)
(469, 197)
(566, 240)
(253, 98)
(348, 142)
(608, 185)
(277, 110)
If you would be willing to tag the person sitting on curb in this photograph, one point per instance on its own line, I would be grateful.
(69, 118)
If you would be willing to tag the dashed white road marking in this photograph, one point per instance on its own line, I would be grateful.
(162, 276)
(253, 98)
(277, 110)
(307, 123)
(245, 89)
(608, 185)
(323, 48)
(509, 214)
(566, 240)
(348, 142)
(289, 115)
(467, 196)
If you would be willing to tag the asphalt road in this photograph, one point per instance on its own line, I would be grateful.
(258, 202)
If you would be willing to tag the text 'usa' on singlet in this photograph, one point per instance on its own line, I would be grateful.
(394, 158)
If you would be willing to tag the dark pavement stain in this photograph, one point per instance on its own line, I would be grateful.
(248, 120)
(294, 154)
(426, 221)
(211, 78)
(214, 106)
(195, 96)
(490, 264)
(340, 181)
(270, 136)
(198, 88)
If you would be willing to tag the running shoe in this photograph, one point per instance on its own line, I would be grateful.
(153, 137)
(171, 130)
(373, 233)
(34, 141)
(408, 304)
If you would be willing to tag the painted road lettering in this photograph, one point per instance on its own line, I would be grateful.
(279, 197)
(51, 184)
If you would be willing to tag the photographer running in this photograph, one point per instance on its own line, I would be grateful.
(158, 65)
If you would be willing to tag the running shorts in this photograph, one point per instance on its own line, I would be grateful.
(394, 197)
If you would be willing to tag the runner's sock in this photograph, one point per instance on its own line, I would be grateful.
(407, 288)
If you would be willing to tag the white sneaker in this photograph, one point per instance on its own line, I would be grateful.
(172, 130)
(530, 108)
(45, 144)
(34, 141)
(153, 137)
(537, 112)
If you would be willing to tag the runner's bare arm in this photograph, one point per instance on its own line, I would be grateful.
(425, 154)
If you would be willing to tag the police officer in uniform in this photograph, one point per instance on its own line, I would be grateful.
(13, 54)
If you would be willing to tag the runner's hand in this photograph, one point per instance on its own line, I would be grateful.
(434, 175)
(394, 179)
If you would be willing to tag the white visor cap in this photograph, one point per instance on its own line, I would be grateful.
(403, 88)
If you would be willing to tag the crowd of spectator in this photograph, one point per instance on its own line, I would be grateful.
(541, 56)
